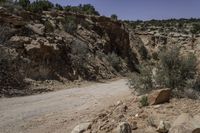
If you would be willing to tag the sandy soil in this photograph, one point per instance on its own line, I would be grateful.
(60, 111)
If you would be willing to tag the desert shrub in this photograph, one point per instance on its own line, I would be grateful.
(80, 50)
(101, 54)
(142, 82)
(155, 55)
(11, 80)
(24, 3)
(2, 1)
(79, 57)
(5, 33)
(59, 7)
(175, 69)
(192, 89)
(144, 101)
(74, 9)
(188, 93)
(115, 61)
(195, 28)
(143, 52)
(114, 17)
(85, 24)
(87, 9)
(48, 26)
(40, 5)
(70, 24)
(194, 83)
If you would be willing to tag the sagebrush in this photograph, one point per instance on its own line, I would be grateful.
(115, 60)
(174, 70)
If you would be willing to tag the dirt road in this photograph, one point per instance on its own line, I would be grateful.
(59, 112)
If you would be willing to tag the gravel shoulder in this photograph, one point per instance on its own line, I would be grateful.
(60, 111)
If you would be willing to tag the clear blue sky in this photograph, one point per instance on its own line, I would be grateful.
(142, 9)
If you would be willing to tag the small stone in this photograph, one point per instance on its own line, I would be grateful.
(157, 106)
(119, 102)
(81, 128)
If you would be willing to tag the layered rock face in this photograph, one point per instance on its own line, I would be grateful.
(156, 42)
(57, 45)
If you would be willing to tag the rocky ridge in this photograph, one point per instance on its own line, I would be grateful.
(43, 47)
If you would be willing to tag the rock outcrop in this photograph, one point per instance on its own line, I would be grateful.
(47, 49)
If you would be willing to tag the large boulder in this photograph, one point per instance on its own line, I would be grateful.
(81, 128)
(123, 127)
(159, 96)
(186, 123)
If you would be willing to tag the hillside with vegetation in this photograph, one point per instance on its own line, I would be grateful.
(46, 47)
(45, 42)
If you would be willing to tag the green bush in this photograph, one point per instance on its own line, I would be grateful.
(87, 25)
(87, 9)
(115, 61)
(143, 52)
(79, 55)
(195, 28)
(24, 3)
(48, 26)
(194, 83)
(59, 7)
(70, 24)
(175, 69)
(40, 5)
(142, 82)
(114, 17)
(144, 101)
(2, 1)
